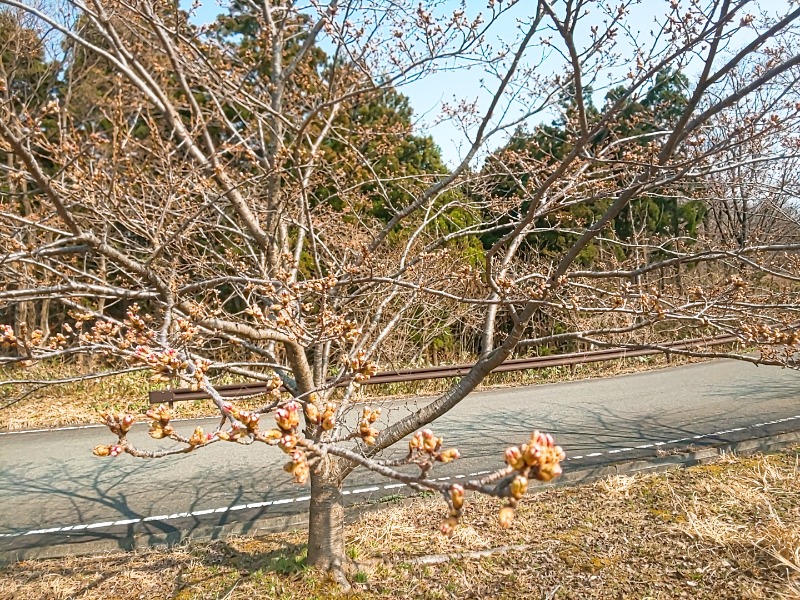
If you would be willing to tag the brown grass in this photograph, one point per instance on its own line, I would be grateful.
(79, 403)
(726, 530)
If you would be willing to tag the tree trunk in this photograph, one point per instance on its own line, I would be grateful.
(326, 522)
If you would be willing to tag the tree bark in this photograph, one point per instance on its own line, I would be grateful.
(326, 520)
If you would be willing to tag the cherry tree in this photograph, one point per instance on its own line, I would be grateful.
(244, 199)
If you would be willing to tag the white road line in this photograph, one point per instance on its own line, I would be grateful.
(364, 490)
(95, 525)
(223, 509)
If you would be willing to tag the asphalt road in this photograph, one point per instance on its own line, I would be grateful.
(56, 497)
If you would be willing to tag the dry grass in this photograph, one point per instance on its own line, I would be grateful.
(79, 403)
(726, 530)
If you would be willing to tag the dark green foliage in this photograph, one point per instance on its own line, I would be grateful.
(666, 212)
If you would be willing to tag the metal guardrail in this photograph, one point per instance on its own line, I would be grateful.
(240, 390)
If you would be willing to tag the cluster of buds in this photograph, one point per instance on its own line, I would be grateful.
(428, 447)
(159, 425)
(137, 332)
(133, 320)
(274, 387)
(196, 310)
(36, 338)
(199, 437)
(769, 335)
(255, 311)
(281, 311)
(58, 341)
(650, 303)
(165, 363)
(234, 434)
(7, 337)
(30, 340)
(539, 459)
(100, 332)
(112, 450)
(80, 317)
(288, 416)
(361, 367)
(455, 499)
(288, 419)
(201, 366)
(365, 429)
(186, 330)
(325, 417)
(119, 424)
(245, 417)
(320, 286)
(333, 325)
(297, 466)
(506, 284)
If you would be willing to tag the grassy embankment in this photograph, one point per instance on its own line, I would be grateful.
(730, 529)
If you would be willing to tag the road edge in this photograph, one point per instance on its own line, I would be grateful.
(674, 459)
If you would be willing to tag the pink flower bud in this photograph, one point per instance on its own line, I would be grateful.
(514, 458)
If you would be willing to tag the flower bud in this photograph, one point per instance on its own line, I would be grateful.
(449, 526)
(198, 437)
(506, 516)
(101, 450)
(448, 455)
(312, 413)
(518, 487)
(531, 454)
(514, 458)
(127, 422)
(548, 472)
(287, 443)
(457, 496)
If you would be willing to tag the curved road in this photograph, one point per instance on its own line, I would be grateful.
(56, 498)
